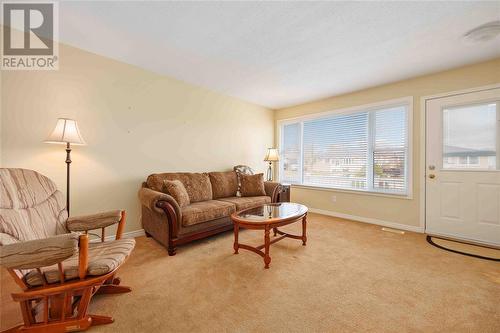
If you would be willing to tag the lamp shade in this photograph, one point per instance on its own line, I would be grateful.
(272, 155)
(66, 131)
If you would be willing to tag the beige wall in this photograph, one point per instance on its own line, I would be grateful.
(395, 210)
(135, 123)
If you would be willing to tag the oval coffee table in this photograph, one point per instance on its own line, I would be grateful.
(266, 217)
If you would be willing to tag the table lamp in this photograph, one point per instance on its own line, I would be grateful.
(271, 156)
(66, 132)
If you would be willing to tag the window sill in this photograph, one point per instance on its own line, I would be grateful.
(360, 192)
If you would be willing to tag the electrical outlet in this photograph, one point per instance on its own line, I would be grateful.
(334, 198)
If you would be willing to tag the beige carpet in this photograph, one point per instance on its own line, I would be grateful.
(350, 277)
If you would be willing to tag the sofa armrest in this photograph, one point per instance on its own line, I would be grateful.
(93, 221)
(154, 201)
(39, 252)
(272, 189)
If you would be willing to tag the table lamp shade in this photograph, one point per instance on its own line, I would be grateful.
(66, 131)
(272, 155)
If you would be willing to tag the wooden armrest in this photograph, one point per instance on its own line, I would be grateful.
(83, 256)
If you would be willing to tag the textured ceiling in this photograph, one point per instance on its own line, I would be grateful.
(279, 54)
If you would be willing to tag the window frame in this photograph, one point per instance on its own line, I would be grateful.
(405, 101)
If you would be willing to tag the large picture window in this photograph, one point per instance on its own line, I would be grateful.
(364, 150)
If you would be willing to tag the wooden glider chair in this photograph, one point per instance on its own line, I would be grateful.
(50, 257)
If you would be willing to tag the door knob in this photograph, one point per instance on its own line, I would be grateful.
(432, 176)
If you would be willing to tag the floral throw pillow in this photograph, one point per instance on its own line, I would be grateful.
(244, 170)
(252, 185)
(177, 190)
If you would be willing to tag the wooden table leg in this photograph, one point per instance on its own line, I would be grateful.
(236, 231)
(304, 237)
(267, 243)
(275, 231)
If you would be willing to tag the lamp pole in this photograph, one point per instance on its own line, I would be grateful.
(66, 131)
(270, 172)
(68, 162)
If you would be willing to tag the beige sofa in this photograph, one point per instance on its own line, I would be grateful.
(212, 200)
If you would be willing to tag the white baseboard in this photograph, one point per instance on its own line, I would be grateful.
(130, 234)
(393, 225)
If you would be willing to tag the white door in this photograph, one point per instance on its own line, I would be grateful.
(463, 166)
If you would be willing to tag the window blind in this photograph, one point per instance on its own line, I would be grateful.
(290, 161)
(365, 151)
(389, 152)
(335, 151)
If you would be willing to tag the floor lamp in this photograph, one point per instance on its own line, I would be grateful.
(271, 156)
(66, 132)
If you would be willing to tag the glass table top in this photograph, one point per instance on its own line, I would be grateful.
(276, 211)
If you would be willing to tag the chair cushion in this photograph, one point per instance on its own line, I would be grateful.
(204, 211)
(224, 184)
(103, 258)
(6, 239)
(252, 185)
(177, 190)
(247, 202)
(197, 185)
(30, 205)
(23, 188)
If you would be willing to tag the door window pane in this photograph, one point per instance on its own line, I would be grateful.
(470, 137)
